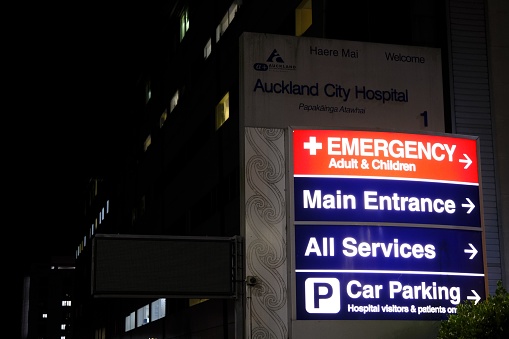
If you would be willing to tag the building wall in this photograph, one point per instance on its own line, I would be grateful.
(47, 287)
(498, 54)
(473, 113)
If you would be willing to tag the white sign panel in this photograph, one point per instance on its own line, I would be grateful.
(287, 80)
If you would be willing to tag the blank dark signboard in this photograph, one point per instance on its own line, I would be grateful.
(143, 266)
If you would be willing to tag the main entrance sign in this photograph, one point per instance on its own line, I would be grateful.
(381, 200)
(387, 225)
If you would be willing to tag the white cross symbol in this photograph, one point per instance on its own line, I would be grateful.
(312, 145)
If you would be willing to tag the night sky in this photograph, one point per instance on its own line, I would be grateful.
(69, 71)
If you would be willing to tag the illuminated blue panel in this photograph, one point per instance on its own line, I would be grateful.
(388, 201)
(402, 249)
(375, 296)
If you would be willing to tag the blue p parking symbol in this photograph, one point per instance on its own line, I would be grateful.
(322, 295)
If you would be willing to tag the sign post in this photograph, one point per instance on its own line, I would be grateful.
(388, 226)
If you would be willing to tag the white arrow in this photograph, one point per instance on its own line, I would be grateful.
(473, 250)
(470, 205)
(467, 161)
(476, 297)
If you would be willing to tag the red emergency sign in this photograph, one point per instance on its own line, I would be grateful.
(385, 154)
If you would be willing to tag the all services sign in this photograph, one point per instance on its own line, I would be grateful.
(387, 225)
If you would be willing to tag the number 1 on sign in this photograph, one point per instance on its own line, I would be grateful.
(425, 115)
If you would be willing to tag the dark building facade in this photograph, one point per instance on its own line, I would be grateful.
(48, 291)
(184, 168)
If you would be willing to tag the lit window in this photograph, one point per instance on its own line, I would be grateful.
(223, 111)
(62, 326)
(66, 303)
(232, 11)
(44, 315)
(148, 91)
(208, 49)
(62, 337)
(158, 309)
(221, 28)
(184, 24)
(162, 119)
(147, 143)
(174, 101)
(142, 316)
(227, 20)
(129, 322)
(303, 17)
(193, 302)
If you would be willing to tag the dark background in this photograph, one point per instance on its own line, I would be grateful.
(70, 69)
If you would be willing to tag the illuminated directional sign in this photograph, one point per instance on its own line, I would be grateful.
(387, 225)
(381, 200)
(385, 155)
(410, 249)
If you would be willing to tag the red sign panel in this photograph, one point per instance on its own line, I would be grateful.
(385, 154)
